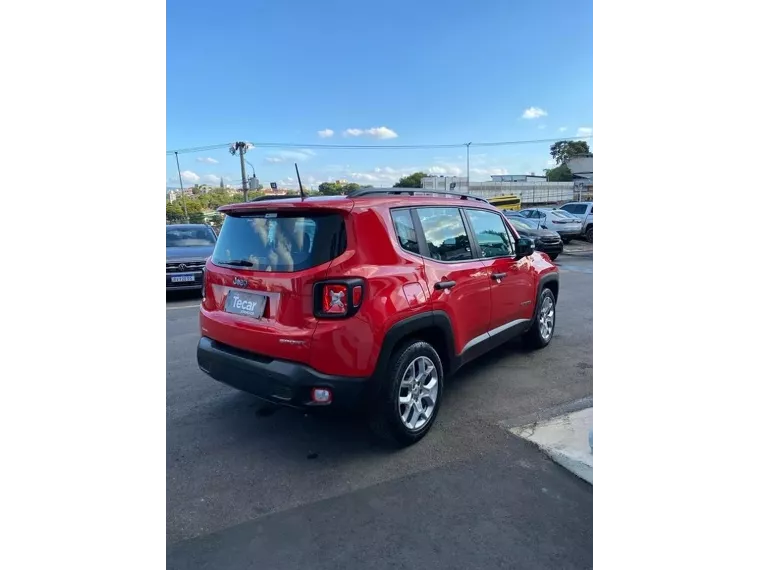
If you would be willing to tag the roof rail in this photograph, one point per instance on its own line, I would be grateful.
(411, 192)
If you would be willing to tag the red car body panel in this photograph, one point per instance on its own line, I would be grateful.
(398, 284)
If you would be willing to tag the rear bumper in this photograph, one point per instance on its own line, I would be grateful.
(569, 233)
(277, 381)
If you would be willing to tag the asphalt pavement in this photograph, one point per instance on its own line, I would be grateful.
(252, 486)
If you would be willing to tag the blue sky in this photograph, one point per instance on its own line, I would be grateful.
(385, 73)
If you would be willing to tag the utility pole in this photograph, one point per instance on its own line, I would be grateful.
(241, 148)
(467, 166)
(181, 187)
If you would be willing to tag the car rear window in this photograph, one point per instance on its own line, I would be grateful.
(280, 242)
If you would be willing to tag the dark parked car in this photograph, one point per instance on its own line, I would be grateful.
(546, 241)
(187, 248)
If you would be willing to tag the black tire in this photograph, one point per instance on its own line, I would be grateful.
(589, 234)
(553, 256)
(386, 422)
(566, 240)
(533, 337)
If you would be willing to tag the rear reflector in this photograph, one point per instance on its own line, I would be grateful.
(321, 395)
(358, 292)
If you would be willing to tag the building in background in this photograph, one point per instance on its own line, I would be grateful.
(582, 172)
(445, 183)
(518, 178)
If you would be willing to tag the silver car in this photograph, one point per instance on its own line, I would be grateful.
(564, 224)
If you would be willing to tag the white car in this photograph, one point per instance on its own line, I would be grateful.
(564, 224)
(584, 212)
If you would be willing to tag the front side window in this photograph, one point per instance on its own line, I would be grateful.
(445, 234)
(491, 233)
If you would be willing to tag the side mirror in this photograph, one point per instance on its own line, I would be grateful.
(525, 247)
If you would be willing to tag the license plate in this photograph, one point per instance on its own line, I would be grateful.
(244, 303)
(182, 278)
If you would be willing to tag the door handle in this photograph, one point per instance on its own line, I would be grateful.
(444, 285)
(497, 276)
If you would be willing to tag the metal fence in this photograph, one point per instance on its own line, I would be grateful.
(529, 193)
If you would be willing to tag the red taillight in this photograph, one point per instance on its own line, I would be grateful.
(335, 299)
(338, 298)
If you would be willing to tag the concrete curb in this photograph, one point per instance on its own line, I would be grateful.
(565, 438)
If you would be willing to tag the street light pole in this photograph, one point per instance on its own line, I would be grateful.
(467, 167)
(181, 186)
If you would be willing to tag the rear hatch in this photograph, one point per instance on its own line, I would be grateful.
(260, 278)
(565, 220)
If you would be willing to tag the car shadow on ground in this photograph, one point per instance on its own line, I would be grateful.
(327, 434)
(232, 456)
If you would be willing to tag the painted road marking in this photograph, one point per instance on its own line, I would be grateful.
(174, 308)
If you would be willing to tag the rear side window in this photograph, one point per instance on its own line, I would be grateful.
(445, 234)
(404, 229)
(277, 242)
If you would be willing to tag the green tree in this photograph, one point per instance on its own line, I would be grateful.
(174, 212)
(216, 220)
(559, 174)
(350, 187)
(330, 189)
(562, 151)
(411, 181)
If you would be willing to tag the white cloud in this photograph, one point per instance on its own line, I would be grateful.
(446, 170)
(562, 129)
(381, 175)
(207, 160)
(325, 134)
(212, 179)
(584, 132)
(190, 176)
(290, 155)
(374, 132)
(486, 172)
(533, 113)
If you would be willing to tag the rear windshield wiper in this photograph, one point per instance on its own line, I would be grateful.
(239, 263)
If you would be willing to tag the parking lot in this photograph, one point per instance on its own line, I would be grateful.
(241, 473)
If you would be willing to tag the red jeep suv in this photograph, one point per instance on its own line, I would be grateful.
(368, 301)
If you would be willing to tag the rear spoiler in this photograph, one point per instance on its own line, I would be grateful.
(288, 203)
(282, 197)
